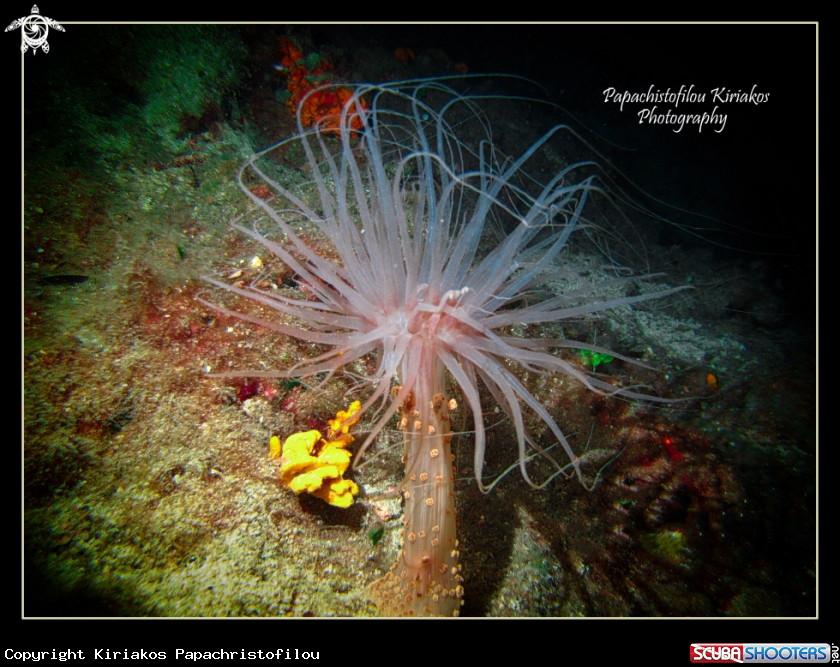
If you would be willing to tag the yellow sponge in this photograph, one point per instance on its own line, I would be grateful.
(315, 464)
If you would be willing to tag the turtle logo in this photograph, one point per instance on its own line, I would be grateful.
(35, 29)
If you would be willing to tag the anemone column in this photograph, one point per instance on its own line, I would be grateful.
(426, 579)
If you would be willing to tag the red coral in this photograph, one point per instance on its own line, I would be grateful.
(321, 106)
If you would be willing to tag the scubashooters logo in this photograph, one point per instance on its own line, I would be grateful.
(760, 653)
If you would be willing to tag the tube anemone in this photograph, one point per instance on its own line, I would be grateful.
(432, 247)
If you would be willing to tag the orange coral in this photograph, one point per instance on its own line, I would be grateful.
(308, 77)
